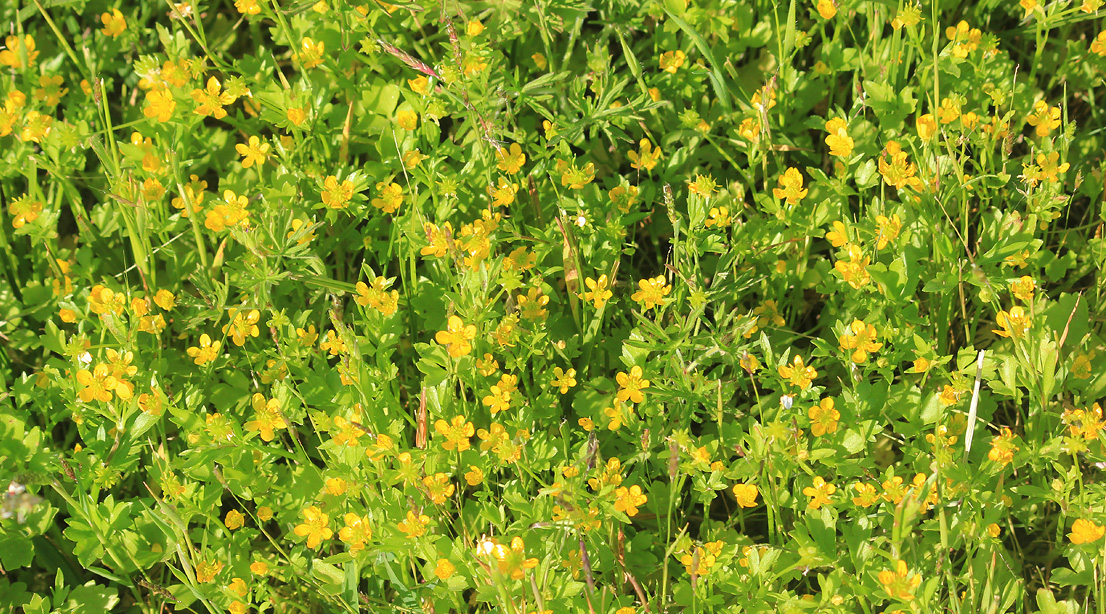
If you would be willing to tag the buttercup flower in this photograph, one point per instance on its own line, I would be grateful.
(267, 417)
(651, 291)
(114, 23)
(819, 493)
(1044, 118)
(255, 152)
(456, 432)
(1085, 531)
(746, 494)
(511, 159)
(791, 187)
(861, 339)
(314, 527)
(900, 583)
(629, 499)
(648, 157)
(823, 418)
(630, 385)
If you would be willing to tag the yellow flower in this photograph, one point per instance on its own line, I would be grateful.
(861, 339)
(1085, 531)
(241, 326)
(823, 418)
(267, 417)
(746, 494)
(255, 152)
(826, 8)
(900, 583)
(597, 291)
(211, 100)
(889, 228)
(414, 526)
(671, 61)
(456, 432)
(114, 23)
(296, 115)
(457, 337)
(407, 119)
(444, 569)
(259, 568)
(310, 53)
(1014, 323)
(1003, 448)
(819, 493)
(160, 105)
(336, 195)
(1098, 46)
(206, 572)
(511, 159)
(839, 235)
(629, 499)
(630, 385)
(503, 194)
(897, 171)
(234, 520)
(15, 50)
(647, 159)
(474, 476)
(24, 210)
(315, 527)
(855, 271)
(797, 373)
(391, 197)
(865, 495)
(336, 486)
(651, 291)
(1044, 118)
(564, 380)
(791, 187)
(1023, 288)
(926, 126)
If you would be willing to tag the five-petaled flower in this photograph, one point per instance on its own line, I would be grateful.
(456, 432)
(647, 158)
(598, 292)
(564, 379)
(160, 105)
(746, 494)
(797, 373)
(255, 152)
(823, 418)
(791, 187)
(630, 385)
(1044, 118)
(819, 493)
(267, 417)
(457, 337)
(511, 159)
(114, 23)
(1085, 531)
(629, 499)
(651, 291)
(1014, 323)
(315, 527)
(900, 583)
(391, 197)
(206, 351)
(860, 338)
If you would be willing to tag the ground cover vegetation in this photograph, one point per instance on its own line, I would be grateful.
(552, 306)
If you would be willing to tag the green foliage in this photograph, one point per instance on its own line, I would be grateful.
(552, 307)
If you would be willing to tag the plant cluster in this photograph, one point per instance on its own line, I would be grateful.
(512, 307)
